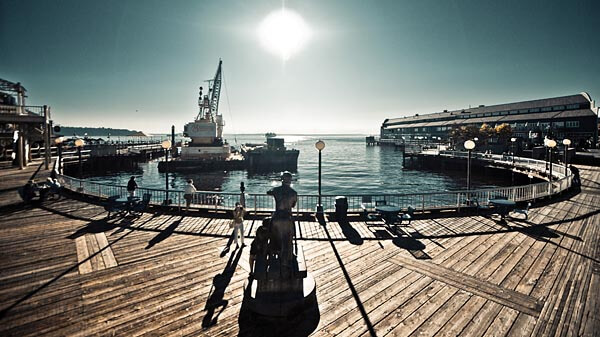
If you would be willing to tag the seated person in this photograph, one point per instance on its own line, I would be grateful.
(259, 245)
(29, 190)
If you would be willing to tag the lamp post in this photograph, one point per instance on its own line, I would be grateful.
(320, 145)
(166, 145)
(58, 141)
(79, 143)
(513, 140)
(469, 145)
(551, 143)
(566, 143)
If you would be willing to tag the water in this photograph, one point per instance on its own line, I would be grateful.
(348, 167)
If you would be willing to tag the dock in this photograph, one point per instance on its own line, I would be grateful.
(67, 270)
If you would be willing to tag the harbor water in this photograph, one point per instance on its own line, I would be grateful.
(349, 167)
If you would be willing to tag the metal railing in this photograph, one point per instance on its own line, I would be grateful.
(221, 201)
(27, 110)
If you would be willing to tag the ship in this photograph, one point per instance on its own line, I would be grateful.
(270, 135)
(271, 156)
(206, 150)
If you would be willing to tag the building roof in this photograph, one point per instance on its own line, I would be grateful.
(452, 117)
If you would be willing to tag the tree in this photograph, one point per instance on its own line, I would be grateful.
(462, 133)
(504, 131)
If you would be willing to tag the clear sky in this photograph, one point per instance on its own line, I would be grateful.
(138, 64)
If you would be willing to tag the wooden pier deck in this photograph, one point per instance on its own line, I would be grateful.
(66, 270)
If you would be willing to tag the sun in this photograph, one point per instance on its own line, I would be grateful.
(283, 33)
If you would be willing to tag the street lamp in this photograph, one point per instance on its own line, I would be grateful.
(58, 141)
(166, 145)
(551, 143)
(566, 143)
(79, 143)
(320, 145)
(469, 145)
(513, 140)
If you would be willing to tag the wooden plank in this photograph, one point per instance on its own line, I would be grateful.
(106, 252)
(507, 297)
(85, 266)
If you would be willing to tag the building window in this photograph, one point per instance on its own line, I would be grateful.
(547, 108)
(558, 107)
(503, 113)
(487, 114)
(514, 112)
(573, 106)
(496, 113)
(523, 111)
(559, 124)
(572, 124)
(534, 110)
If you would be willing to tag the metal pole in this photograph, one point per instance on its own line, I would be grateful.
(80, 164)
(166, 177)
(320, 206)
(20, 151)
(551, 164)
(59, 148)
(173, 148)
(469, 171)
(46, 138)
(566, 149)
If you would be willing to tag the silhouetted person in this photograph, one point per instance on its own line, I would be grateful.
(29, 191)
(259, 246)
(131, 186)
(576, 178)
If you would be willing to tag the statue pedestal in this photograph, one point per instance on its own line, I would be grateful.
(279, 290)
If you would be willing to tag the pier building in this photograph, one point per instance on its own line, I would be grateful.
(574, 117)
(22, 127)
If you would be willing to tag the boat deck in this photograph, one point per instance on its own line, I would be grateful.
(66, 270)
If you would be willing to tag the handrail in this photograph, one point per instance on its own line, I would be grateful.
(424, 201)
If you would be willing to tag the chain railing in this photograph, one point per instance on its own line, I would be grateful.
(256, 203)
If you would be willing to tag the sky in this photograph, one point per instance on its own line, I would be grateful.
(138, 64)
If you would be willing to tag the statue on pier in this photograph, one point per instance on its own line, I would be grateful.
(279, 283)
(282, 224)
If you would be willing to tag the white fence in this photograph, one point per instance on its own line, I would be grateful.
(307, 203)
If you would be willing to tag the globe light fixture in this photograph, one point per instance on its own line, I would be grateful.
(79, 142)
(166, 144)
(469, 145)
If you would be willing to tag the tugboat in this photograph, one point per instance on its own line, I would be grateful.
(207, 151)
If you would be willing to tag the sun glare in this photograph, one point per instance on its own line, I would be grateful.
(283, 32)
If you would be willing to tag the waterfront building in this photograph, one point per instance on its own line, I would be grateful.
(574, 117)
(22, 127)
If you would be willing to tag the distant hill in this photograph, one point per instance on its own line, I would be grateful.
(95, 132)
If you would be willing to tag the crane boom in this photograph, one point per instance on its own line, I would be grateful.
(216, 91)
